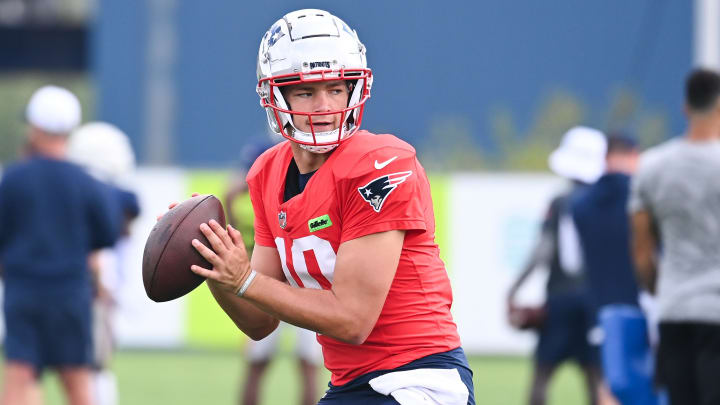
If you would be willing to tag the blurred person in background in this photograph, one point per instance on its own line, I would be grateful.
(104, 151)
(566, 320)
(260, 353)
(603, 225)
(237, 197)
(52, 215)
(675, 208)
(344, 230)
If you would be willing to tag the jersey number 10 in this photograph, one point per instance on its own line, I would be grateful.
(308, 262)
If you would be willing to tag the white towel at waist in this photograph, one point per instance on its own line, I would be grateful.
(435, 386)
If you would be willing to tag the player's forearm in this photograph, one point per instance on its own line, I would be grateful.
(541, 254)
(318, 310)
(644, 247)
(247, 317)
(645, 268)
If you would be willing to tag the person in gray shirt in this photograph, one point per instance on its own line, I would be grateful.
(675, 210)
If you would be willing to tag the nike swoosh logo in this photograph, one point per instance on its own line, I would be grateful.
(385, 163)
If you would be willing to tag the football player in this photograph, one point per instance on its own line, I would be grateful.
(344, 230)
(105, 152)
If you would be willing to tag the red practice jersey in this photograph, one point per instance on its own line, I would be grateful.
(369, 184)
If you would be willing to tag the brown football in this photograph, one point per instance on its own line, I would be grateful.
(169, 253)
(526, 317)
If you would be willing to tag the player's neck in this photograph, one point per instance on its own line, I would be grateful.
(703, 129)
(307, 161)
(49, 146)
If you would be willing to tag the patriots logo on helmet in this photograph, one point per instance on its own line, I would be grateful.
(377, 190)
(275, 34)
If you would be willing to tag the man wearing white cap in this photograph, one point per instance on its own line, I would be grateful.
(566, 317)
(52, 214)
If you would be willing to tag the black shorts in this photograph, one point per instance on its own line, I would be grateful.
(564, 334)
(48, 332)
(688, 362)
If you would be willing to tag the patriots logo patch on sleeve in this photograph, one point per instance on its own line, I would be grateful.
(377, 190)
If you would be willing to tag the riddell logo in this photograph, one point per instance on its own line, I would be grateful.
(318, 223)
(314, 65)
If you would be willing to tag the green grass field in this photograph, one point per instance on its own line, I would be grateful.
(213, 378)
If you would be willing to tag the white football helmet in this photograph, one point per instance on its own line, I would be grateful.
(103, 150)
(312, 46)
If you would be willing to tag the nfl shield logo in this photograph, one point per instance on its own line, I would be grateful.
(282, 218)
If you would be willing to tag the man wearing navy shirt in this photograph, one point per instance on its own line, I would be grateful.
(52, 214)
(601, 218)
(603, 225)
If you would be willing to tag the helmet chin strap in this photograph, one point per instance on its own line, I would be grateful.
(319, 149)
(296, 133)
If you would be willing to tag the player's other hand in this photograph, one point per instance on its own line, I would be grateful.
(174, 204)
(227, 254)
(527, 317)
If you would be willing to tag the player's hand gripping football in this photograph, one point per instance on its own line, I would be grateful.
(231, 265)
